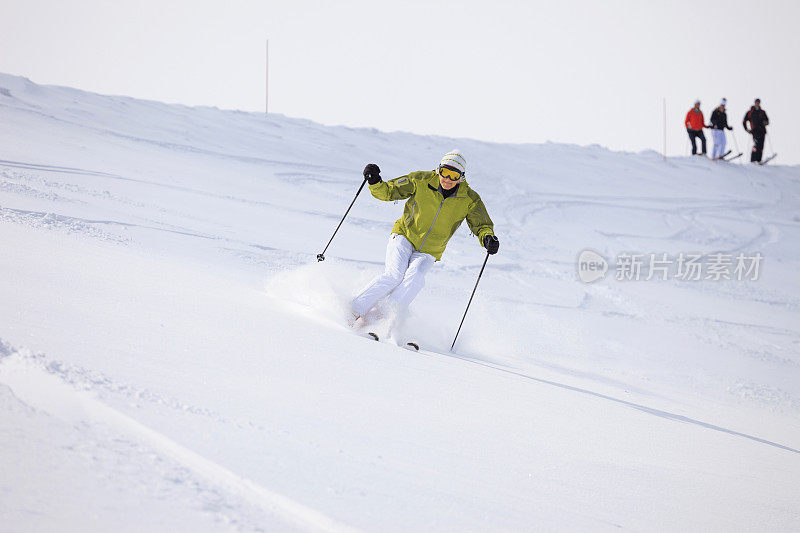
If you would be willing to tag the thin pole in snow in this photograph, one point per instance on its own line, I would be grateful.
(266, 105)
(665, 128)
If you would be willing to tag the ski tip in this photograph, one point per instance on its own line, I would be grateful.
(373, 335)
(413, 345)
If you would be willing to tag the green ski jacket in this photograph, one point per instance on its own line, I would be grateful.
(429, 219)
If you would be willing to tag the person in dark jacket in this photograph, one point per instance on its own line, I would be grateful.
(719, 123)
(759, 121)
(694, 127)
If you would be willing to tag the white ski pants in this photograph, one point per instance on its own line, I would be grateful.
(402, 280)
(719, 143)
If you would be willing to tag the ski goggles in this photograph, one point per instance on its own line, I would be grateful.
(449, 173)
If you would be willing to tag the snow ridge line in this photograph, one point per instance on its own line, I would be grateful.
(48, 392)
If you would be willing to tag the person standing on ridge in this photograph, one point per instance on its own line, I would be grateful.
(438, 201)
(694, 127)
(759, 121)
(719, 123)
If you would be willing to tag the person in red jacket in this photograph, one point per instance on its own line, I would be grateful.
(694, 127)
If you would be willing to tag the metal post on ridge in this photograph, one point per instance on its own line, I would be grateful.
(665, 129)
(266, 103)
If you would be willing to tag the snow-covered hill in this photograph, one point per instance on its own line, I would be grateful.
(173, 357)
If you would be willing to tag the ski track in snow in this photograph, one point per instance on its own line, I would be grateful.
(56, 222)
(649, 410)
(71, 397)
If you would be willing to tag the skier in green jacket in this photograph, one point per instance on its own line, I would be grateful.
(437, 203)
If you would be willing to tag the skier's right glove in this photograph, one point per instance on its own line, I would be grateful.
(491, 243)
(372, 173)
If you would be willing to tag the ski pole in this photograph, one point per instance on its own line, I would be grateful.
(470, 301)
(769, 139)
(736, 144)
(321, 257)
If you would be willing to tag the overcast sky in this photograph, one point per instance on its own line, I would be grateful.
(507, 71)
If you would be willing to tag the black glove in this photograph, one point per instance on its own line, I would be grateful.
(729, 128)
(491, 243)
(372, 173)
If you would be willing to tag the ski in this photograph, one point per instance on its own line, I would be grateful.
(767, 160)
(723, 156)
(409, 345)
(732, 158)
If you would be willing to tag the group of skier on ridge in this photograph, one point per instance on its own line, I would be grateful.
(755, 122)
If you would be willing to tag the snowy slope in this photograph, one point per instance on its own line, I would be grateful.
(173, 357)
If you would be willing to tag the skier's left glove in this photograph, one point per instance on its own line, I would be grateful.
(372, 173)
(729, 128)
(491, 243)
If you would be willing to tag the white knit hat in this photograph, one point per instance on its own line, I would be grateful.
(454, 159)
